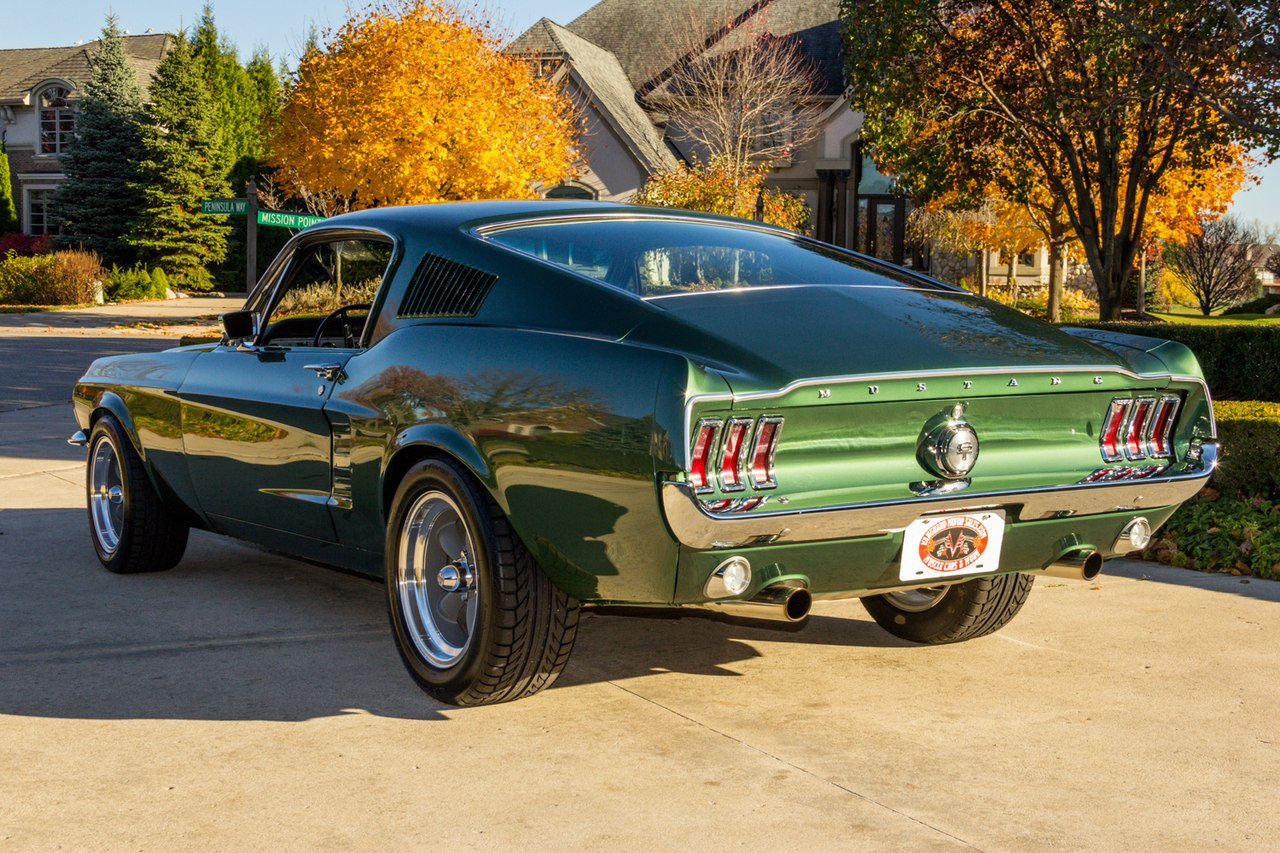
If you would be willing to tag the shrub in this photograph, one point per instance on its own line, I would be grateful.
(63, 278)
(1250, 436)
(132, 283)
(1239, 361)
(1222, 534)
(25, 244)
(197, 279)
(159, 283)
(1075, 303)
(1255, 306)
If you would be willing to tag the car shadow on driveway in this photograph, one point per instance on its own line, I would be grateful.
(234, 633)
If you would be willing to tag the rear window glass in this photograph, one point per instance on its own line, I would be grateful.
(660, 257)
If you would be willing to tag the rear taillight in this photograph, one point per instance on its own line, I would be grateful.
(1135, 427)
(704, 444)
(1110, 439)
(1159, 440)
(734, 455)
(1139, 428)
(731, 455)
(766, 443)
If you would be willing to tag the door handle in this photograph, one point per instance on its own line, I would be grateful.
(329, 371)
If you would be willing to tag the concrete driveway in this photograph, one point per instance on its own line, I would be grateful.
(244, 700)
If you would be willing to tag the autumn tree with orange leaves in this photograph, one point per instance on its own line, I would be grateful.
(1041, 94)
(412, 102)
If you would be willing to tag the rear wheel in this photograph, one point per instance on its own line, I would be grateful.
(475, 620)
(131, 528)
(949, 614)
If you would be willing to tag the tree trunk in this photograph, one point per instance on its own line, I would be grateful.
(984, 261)
(1011, 279)
(1057, 277)
(1142, 283)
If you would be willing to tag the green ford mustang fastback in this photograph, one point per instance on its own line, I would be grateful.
(515, 409)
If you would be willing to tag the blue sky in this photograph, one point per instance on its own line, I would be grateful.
(282, 29)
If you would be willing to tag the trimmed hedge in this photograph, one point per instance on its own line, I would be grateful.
(1240, 361)
(1250, 436)
(1255, 306)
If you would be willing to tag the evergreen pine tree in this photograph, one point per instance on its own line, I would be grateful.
(99, 200)
(234, 93)
(183, 163)
(243, 99)
(8, 211)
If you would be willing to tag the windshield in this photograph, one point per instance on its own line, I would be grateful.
(666, 257)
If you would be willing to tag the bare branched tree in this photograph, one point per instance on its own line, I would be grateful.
(1217, 265)
(1248, 31)
(325, 203)
(1273, 264)
(735, 90)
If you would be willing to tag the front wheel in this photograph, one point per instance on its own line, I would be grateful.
(131, 527)
(949, 614)
(475, 620)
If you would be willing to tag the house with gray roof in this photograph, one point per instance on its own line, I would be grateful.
(39, 88)
(614, 55)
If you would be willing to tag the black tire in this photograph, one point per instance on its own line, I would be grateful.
(132, 530)
(519, 627)
(961, 611)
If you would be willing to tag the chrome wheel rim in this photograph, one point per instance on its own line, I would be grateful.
(436, 579)
(916, 600)
(106, 495)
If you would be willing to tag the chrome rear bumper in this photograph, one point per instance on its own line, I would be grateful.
(696, 528)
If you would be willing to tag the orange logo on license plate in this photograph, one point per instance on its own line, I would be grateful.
(953, 544)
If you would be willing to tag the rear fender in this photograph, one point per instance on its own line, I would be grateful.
(423, 440)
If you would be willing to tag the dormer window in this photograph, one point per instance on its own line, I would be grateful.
(57, 120)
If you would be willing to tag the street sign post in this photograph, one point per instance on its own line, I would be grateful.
(281, 219)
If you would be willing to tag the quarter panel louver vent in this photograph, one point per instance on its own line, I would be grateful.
(445, 288)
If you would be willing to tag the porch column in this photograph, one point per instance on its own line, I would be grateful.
(841, 177)
(826, 180)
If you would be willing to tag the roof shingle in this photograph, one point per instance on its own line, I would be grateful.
(22, 69)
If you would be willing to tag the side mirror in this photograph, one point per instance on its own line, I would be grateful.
(239, 326)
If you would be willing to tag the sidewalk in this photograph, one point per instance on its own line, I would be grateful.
(170, 318)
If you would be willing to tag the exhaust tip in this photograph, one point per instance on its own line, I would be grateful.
(1082, 564)
(798, 604)
(1092, 566)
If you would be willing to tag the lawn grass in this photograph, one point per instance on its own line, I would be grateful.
(1198, 319)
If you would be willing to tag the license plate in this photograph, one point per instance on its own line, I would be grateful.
(944, 546)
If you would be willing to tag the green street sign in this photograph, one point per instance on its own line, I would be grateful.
(287, 220)
(224, 205)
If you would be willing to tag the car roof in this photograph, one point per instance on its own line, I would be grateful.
(458, 214)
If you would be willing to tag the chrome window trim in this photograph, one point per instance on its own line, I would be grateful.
(874, 266)
(265, 295)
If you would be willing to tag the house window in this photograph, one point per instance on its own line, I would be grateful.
(571, 191)
(57, 120)
(40, 212)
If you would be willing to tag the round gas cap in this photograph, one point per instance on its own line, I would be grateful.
(955, 450)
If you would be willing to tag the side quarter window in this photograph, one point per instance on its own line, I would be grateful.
(325, 294)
